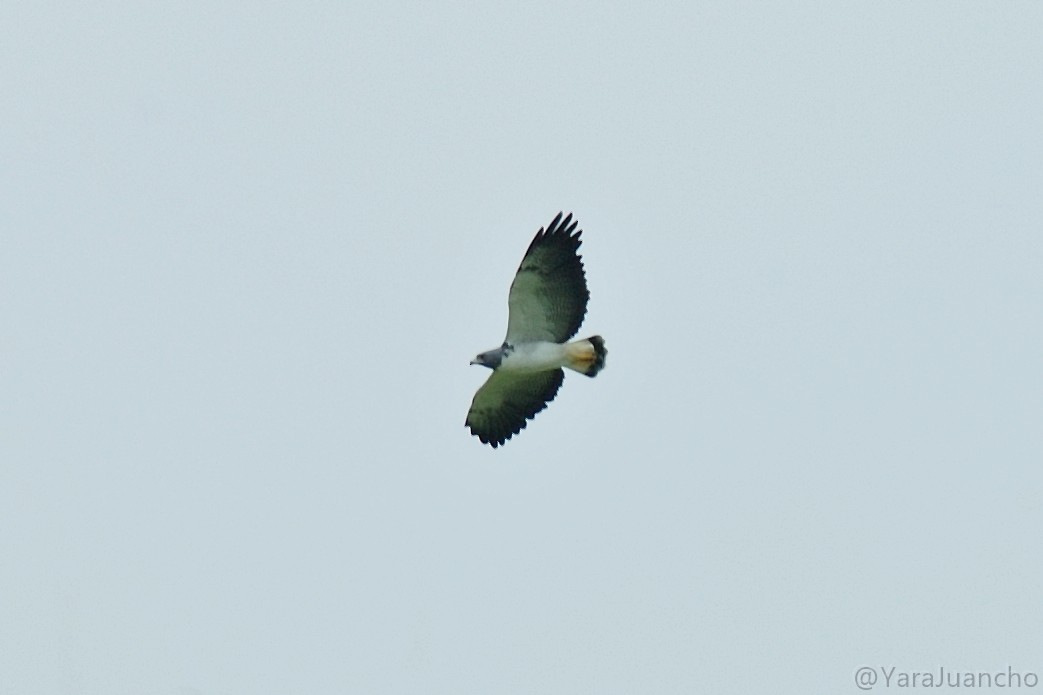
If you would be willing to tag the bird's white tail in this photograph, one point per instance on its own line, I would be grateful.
(586, 356)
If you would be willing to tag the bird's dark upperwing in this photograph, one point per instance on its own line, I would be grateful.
(507, 400)
(548, 297)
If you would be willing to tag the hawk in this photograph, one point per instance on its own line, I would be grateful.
(547, 302)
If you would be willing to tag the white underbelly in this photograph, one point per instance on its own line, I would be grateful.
(535, 357)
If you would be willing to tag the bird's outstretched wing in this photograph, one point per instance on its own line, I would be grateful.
(548, 297)
(507, 400)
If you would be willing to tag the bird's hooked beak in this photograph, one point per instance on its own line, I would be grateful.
(476, 361)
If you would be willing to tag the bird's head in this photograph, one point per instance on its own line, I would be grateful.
(490, 359)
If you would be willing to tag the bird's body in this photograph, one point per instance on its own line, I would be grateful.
(534, 357)
(540, 356)
(547, 302)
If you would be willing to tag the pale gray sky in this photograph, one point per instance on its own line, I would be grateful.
(248, 252)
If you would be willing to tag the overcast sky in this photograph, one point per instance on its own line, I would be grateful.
(248, 252)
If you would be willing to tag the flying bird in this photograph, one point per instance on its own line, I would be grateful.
(547, 302)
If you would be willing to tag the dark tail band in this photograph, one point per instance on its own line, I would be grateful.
(600, 353)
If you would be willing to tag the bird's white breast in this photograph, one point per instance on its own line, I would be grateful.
(534, 357)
